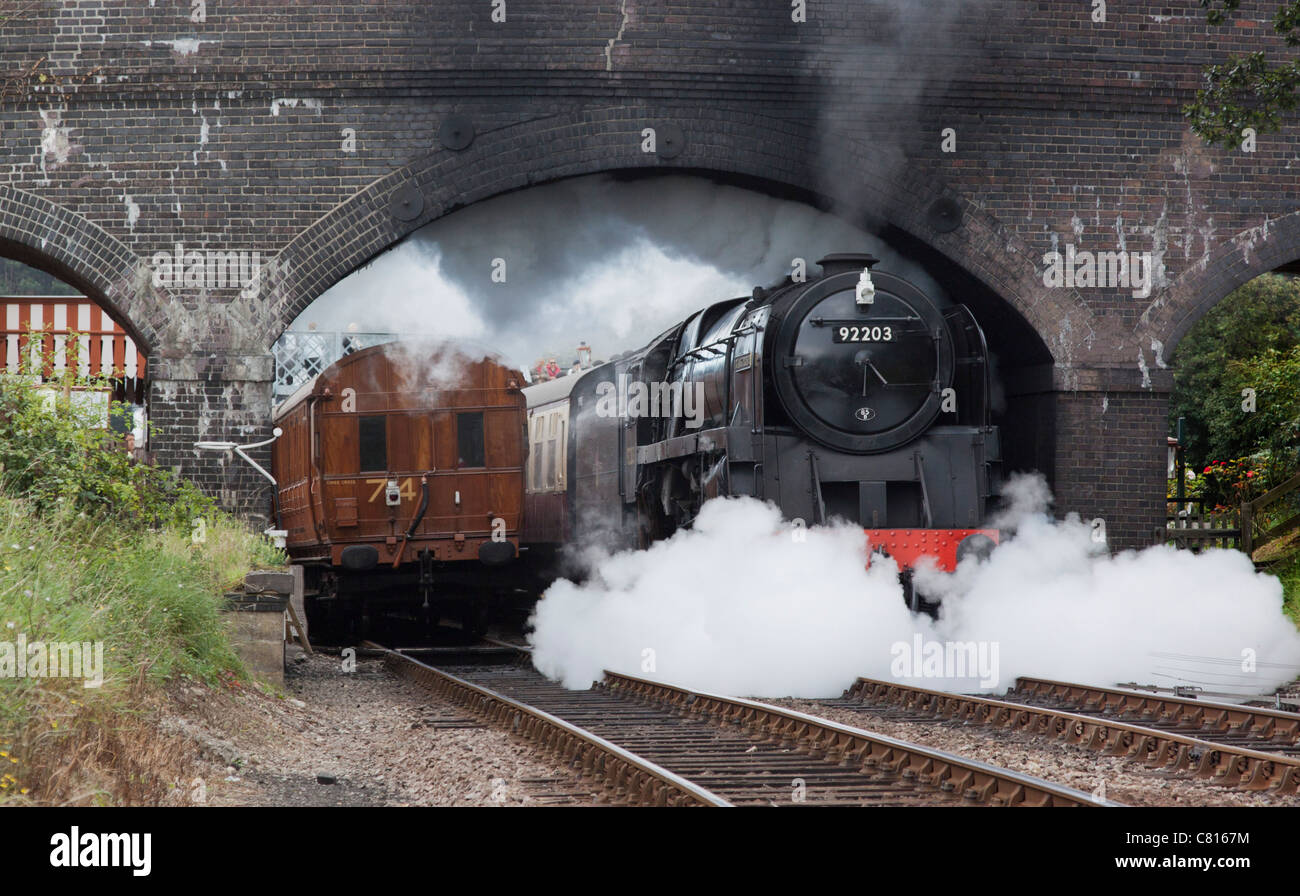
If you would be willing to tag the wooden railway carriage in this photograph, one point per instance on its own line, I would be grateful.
(400, 475)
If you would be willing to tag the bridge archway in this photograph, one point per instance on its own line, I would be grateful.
(1025, 361)
(903, 205)
(51, 238)
(1233, 263)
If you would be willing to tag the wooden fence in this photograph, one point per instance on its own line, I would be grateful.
(1189, 525)
(38, 328)
(1247, 527)
(1264, 519)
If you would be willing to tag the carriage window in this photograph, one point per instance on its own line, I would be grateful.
(373, 442)
(537, 453)
(559, 473)
(553, 452)
(469, 439)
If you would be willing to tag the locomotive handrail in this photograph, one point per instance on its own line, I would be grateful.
(925, 492)
(726, 341)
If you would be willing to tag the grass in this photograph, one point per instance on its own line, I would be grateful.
(1290, 576)
(1283, 559)
(153, 598)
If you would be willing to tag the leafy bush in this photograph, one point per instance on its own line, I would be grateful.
(1226, 484)
(1250, 340)
(52, 453)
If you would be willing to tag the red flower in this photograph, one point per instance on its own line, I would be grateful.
(1208, 469)
(1250, 473)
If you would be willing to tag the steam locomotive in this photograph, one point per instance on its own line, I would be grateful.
(419, 482)
(852, 396)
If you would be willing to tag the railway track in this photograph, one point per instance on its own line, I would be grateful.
(1111, 727)
(657, 744)
(1259, 728)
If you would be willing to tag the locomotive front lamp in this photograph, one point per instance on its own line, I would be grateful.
(866, 292)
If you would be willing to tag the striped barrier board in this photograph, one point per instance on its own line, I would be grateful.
(105, 348)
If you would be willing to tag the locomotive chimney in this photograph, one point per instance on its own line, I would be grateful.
(842, 262)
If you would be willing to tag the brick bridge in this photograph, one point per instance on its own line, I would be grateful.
(322, 133)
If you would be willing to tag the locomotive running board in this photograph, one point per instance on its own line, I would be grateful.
(707, 440)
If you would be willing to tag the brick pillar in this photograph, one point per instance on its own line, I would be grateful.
(1111, 456)
(219, 398)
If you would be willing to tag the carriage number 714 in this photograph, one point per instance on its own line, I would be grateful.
(406, 489)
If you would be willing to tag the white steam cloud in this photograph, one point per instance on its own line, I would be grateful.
(739, 604)
(609, 261)
(733, 605)
(420, 361)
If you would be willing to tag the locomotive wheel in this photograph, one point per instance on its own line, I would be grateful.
(915, 602)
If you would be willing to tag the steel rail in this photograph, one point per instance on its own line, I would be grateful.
(630, 777)
(524, 650)
(976, 781)
(1258, 723)
(1230, 765)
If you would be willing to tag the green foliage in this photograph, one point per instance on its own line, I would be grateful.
(1250, 340)
(1227, 483)
(17, 279)
(55, 450)
(113, 537)
(95, 548)
(150, 599)
(154, 602)
(1193, 487)
(1247, 91)
(52, 453)
(1274, 426)
(1288, 572)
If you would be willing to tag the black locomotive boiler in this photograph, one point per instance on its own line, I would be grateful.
(853, 396)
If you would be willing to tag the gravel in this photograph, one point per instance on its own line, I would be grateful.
(367, 738)
(364, 738)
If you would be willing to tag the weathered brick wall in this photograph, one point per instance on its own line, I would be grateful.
(126, 128)
(1111, 456)
(220, 399)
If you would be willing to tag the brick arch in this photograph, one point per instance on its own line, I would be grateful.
(595, 140)
(61, 242)
(1233, 262)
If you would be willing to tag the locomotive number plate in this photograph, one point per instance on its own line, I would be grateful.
(863, 334)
